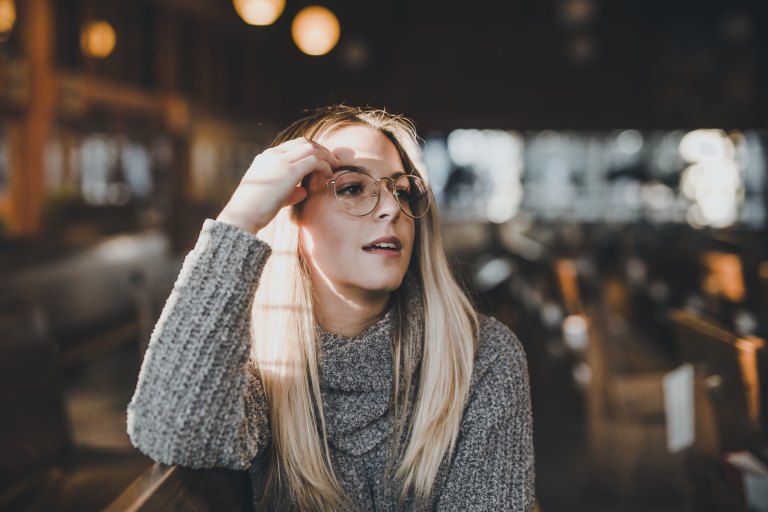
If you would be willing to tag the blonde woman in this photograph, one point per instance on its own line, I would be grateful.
(316, 337)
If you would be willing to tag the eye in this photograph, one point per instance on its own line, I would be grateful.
(404, 192)
(350, 189)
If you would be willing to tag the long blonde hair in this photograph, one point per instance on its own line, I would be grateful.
(284, 347)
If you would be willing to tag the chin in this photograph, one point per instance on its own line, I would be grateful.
(385, 285)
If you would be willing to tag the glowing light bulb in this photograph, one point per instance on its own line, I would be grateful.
(315, 30)
(259, 12)
(98, 39)
(7, 16)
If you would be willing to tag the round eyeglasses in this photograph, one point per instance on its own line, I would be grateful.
(357, 193)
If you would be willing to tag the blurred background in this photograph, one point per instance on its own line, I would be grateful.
(600, 167)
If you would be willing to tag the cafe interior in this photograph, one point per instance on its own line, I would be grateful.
(601, 172)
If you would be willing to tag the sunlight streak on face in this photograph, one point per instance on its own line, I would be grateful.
(308, 248)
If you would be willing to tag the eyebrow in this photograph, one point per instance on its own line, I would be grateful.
(360, 168)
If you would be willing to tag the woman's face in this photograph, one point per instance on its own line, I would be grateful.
(340, 248)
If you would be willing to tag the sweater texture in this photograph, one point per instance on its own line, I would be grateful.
(199, 403)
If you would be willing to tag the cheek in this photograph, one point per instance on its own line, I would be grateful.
(321, 240)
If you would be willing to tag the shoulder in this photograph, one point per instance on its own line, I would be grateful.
(498, 348)
(499, 382)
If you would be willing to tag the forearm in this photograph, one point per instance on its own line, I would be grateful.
(195, 403)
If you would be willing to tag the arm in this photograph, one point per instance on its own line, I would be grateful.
(198, 401)
(493, 464)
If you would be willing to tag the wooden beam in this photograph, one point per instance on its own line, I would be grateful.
(117, 96)
(28, 169)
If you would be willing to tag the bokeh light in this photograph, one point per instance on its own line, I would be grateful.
(7, 18)
(315, 30)
(629, 142)
(259, 12)
(576, 332)
(98, 39)
(700, 145)
(713, 181)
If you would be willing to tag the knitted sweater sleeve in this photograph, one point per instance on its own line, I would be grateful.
(493, 464)
(198, 401)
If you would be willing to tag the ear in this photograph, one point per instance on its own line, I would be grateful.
(297, 196)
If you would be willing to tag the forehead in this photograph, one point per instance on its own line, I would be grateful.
(363, 146)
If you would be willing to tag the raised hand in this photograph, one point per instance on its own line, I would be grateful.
(273, 181)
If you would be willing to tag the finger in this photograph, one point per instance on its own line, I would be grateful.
(335, 162)
(313, 162)
(297, 196)
(299, 152)
(290, 144)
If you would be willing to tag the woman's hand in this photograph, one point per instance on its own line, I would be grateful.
(274, 180)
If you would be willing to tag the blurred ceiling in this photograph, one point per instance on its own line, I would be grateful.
(585, 64)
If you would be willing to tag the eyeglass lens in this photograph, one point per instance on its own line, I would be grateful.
(357, 193)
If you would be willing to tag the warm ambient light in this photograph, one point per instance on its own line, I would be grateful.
(315, 30)
(97, 39)
(724, 276)
(7, 18)
(259, 12)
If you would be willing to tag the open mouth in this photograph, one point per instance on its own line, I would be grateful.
(389, 245)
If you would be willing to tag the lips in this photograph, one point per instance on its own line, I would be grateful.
(387, 243)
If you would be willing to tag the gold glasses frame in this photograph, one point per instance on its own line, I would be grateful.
(392, 188)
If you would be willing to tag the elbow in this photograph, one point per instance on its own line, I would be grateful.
(169, 442)
(153, 438)
(161, 440)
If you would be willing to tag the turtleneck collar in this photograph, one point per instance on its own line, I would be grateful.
(356, 378)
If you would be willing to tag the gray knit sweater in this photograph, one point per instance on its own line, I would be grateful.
(198, 404)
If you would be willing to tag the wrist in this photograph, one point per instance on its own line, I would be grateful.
(239, 221)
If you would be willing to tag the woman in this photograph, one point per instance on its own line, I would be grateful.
(315, 336)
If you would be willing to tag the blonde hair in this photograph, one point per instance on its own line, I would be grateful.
(284, 348)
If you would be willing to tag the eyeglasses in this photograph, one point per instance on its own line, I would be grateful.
(357, 192)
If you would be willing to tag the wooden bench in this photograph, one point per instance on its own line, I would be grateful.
(625, 415)
(99, 298)
(57, 319)
(731, 374)
(174, 488)
(33, 431)
(624, 401)
(40, 466)
(736, 369)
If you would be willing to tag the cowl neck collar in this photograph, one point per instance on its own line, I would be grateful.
(356, 377)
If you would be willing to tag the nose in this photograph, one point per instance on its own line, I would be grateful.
(387, 205)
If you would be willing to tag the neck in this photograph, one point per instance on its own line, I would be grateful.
(348, 314)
